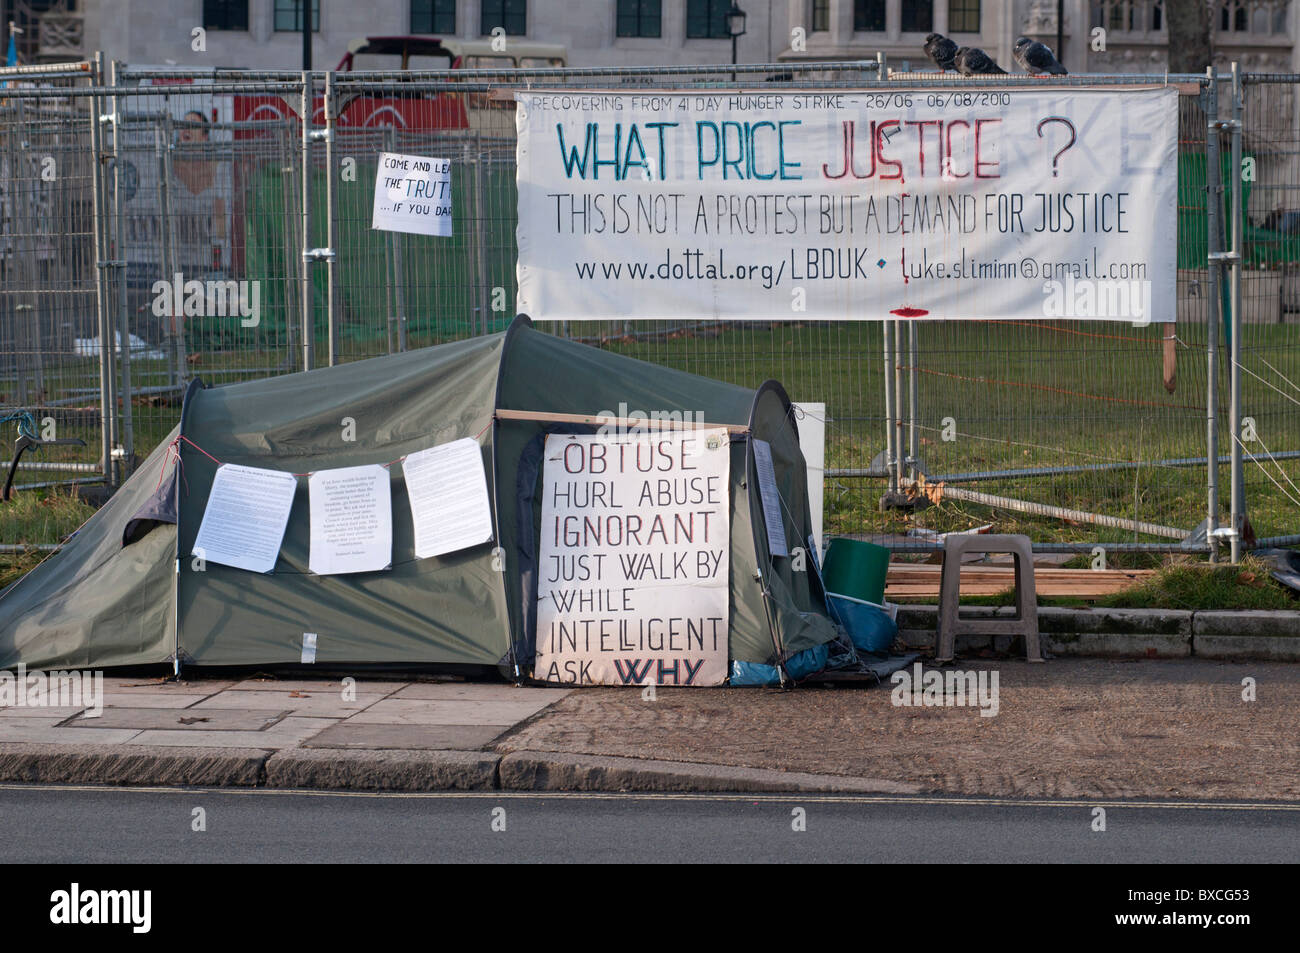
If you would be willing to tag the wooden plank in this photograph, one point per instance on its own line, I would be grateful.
(921, 581)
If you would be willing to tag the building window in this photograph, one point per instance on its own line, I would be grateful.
(639, 18)
(288, 16)
(1232, 18)
(510, 15)
(963, 16)
(707, 19)
(433, 16)
(821, 16)
(225, 14)
(868, 16)
(918, 16)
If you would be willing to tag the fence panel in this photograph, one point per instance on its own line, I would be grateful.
(1078, 433)
(49, 348)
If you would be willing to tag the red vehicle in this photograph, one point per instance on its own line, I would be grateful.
(416, 110)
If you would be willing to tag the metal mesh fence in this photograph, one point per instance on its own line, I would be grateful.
(1270, 293)
(1077, 433)
(49, 356)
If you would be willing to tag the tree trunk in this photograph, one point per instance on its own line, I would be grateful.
(1191, 34)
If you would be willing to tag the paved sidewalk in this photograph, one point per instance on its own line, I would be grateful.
(1175, 728)
(1085, 728)
(273, 715)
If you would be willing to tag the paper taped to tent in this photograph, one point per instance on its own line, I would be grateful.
(593, 545)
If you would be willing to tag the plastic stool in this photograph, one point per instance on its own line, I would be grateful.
(951, 624)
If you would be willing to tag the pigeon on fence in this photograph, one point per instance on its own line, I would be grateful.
(1037, 58)
(972, 61)
(941, 50)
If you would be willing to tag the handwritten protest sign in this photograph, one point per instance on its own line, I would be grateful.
(633, 574)
(412, 194)
(940, 204)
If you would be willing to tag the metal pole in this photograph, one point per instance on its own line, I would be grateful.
(898, 403)
(1213, 320)
(392, 292)
(175, 337)
(124, 319)
(22, 263)
(1060, 30)
(913, 396)
(284, 138)
(331, 223)
(106, 417)
(480, 236)
(1238, 500)
(887, 334)
(305, 21)
(308, 303)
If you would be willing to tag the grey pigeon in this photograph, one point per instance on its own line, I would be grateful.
(1037, 58)
(972, 61)
(941, 50)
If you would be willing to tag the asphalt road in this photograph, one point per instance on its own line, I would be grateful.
(42, 824)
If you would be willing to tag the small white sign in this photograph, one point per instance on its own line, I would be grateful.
(309, 648)
(412, 194)
(449, 498)
(351, 520)
(244, 520)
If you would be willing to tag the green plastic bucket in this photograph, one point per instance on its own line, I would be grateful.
(857, 569)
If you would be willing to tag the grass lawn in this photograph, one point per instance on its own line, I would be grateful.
(993, 396)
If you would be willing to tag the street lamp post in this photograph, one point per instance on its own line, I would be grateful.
(735, 27)
(304, 12)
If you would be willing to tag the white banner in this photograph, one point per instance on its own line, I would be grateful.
(633, 575)
(939, 204)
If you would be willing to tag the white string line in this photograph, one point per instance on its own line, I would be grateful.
(1294, 386)
(1034, 446)
(1266, 473)
(1014, 443)
(1267, 383)
(1275, 463)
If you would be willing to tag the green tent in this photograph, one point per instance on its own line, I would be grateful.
(116, 594)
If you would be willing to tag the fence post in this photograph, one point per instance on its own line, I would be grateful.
(1214, 304)
(913, 396)
(308, 302)
(1238, 499)
(886, 330)
(480, 236)
(119, 264)
(174, 330)
(899, 440)
(284, 141)
(98, 225)
(331, 223)
(393, 244)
